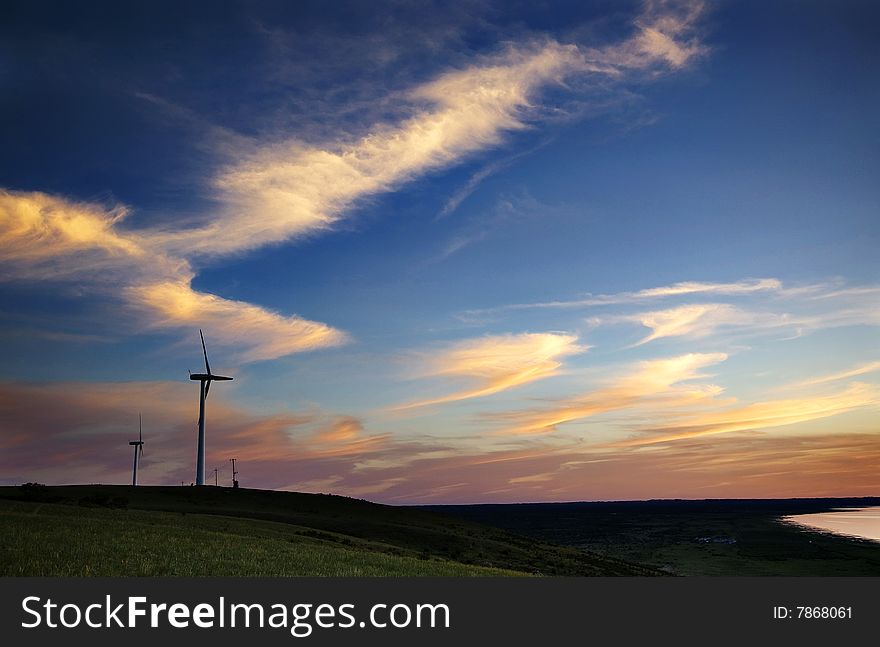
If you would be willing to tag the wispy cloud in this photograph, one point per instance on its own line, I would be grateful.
(280, 188)
(666, 31)
(684, 288)
(699, 320)
(48, 238)
(476, 178)
(341, 429)
(469, 187)
(792, 312)
(497, 363)
(45, 237)
(856, 371)
(659, 383)
(76, 432)
(666, 401)
(506, 213)
(697, 287)
(264, 333)
(286, 189)
(760, 415)
(762, 305)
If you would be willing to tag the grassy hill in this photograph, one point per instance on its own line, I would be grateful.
(105, 530)
(712, 537)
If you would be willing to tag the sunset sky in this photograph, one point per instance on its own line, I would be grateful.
(451, 252)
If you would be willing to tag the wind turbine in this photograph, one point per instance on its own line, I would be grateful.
(205, 380)
(234, 474)
(138, 450)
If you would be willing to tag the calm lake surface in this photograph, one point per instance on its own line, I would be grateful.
(855, 522)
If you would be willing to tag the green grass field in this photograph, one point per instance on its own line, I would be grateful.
(62, 540)
(718, 538)
(185, 531)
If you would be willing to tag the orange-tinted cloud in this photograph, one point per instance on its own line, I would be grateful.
(266, 334)
(666, 404)
(497, 363)
(286, 189)
(46, 237)
(658, 383)
(79, 432)
(69, 433)
(861, 369)
(697, 320)
(760, 415)
(342, 429)
(736, 465)
(283, 189)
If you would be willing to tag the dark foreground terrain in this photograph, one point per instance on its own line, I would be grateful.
(103, 530)
(713, 537)
(99, 530)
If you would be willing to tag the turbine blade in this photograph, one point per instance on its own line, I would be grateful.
(207, 388)
(140, 428)
(205, 351)
(141, 450)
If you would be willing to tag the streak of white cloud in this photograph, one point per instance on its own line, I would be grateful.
(759, 415)
(684, 288)
(284, 189)
(697, 320)
(659, 382)
(48, 238)
(855, 371)
(287, 190)
(264, 334)
(497, 363)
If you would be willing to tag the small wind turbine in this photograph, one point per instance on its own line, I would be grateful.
(138, 450)
(234, 474)
(205, 380)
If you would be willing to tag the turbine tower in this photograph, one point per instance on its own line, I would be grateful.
(205, 380)
(138, 450)
(234, 474)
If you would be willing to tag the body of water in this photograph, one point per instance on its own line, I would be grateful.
(854, 522)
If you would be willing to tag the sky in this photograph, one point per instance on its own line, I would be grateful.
(451, 252)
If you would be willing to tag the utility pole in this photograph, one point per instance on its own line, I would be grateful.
(215, 476)
(234, 474)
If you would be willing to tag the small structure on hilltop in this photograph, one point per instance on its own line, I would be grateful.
(234, 474)
(138, 450)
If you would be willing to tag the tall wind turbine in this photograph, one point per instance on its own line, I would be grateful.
(138, 450)
(205, 380)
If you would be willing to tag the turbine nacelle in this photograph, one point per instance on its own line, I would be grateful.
(140, 440)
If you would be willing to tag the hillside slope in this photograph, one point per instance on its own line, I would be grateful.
(120, 530)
